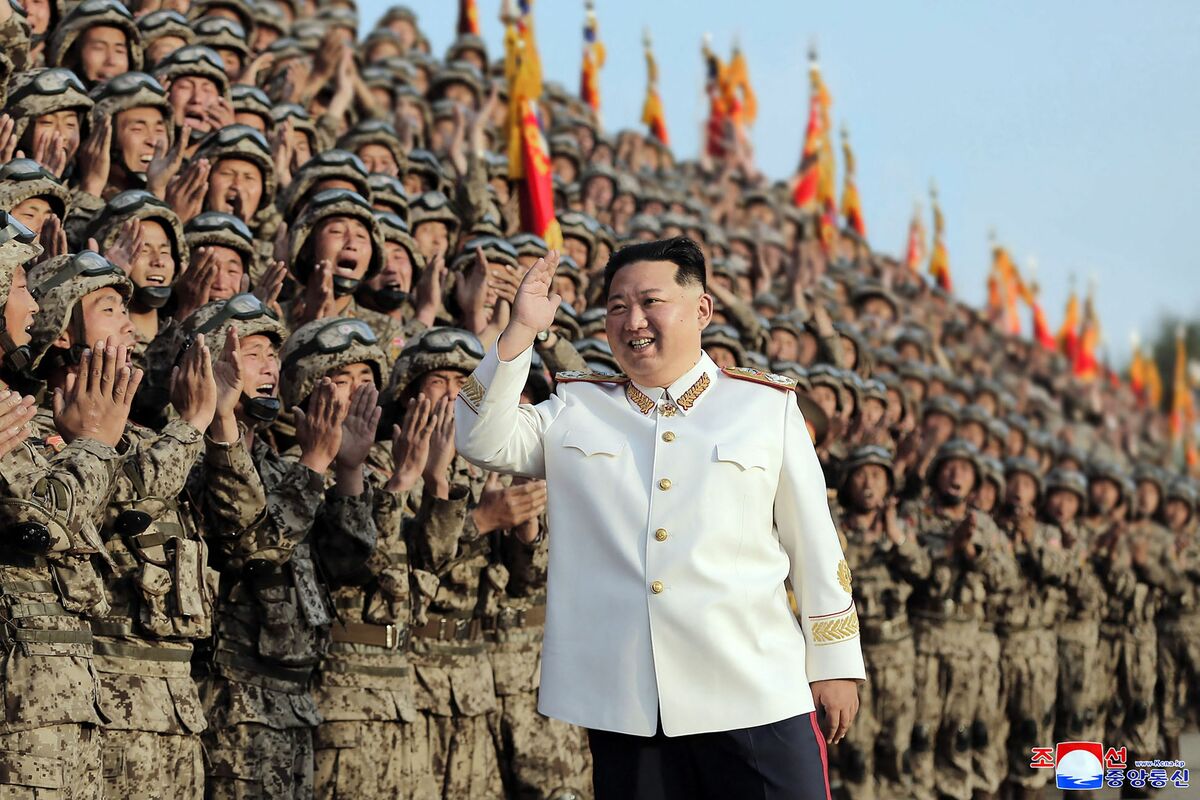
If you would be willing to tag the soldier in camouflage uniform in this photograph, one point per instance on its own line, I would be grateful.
(51, 499)
(42, 96)
(886, 563)
(159, 584)
(335, 245)
(449, 538)
(277, 609)
(1179, 619)
(1026, 620)
(1077, 710)
(389, 298)
(970, 561)
(365, 688)
(32, 193)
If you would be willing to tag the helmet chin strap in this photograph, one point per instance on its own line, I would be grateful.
(16, 359)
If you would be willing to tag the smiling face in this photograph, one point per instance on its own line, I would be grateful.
(33, 212)
(154, 264)
(346, 242)
(378, 158)
(653, 323)
(230, 270)
(235, 186)
(65, 123)
(19, 310)
(105, 316)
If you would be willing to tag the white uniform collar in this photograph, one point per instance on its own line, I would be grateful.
(678, 398)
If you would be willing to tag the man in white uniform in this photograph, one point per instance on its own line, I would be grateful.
(682, 498)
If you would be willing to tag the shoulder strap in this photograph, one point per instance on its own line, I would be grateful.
(579, 376)
(758, 376)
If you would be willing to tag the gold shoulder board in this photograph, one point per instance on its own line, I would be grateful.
(758, 376)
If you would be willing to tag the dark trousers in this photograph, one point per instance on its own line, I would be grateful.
(782, 761)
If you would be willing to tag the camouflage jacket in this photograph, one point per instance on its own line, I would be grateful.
(47, 645)
(275, 604)
(884, 576)
(1043, 567)
(453, 673)
(1081, 596)
(958, 588)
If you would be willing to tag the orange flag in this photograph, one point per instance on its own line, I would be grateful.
(593, 59)
(1086, 364)
(1181, 391)
(914, 250)
(468, 18)
(1137, 372)
(939, 260)
(741, 100)
(1068, 339)
(652, 110)
(529, 154)
(851, 204)
(805, 194)
(1154, 388)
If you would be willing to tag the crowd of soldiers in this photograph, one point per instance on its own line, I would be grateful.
(250, 259)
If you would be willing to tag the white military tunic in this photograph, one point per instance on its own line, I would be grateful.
(675, 518)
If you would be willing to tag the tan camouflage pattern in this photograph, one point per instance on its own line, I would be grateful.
(310, 217)
(106, 228)
(415, 362)
(1079, 714)
(256, 761)
(143, 765)
(246, 150)
(32, 106)
(298, 377)
(55, 762)
(56, 305)
(69, 28)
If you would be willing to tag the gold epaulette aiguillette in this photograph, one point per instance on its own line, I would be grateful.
(758, 376)
(580, 376)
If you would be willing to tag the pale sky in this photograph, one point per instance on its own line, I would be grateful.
(1072, 130)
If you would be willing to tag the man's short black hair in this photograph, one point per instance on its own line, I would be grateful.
(679, 250)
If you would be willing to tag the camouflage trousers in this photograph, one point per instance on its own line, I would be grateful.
(55, 762)
(1079, 715)
(144, 765)
(1128, 663)
(873, 758)
(463, 755)
(947, 701)
(249, 761)
(373, 759)
(541, 758)
(1029, 676)
(1178, 673)
(989, 727)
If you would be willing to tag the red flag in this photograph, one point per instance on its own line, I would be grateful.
(805, 194)
(468, 18)
(1041, 329)
(593, 60)
(529, 155)
(1068, 339)
(1087, 365)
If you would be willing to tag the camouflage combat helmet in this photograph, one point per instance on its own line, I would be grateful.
(18, 245)
(453, 72)
(336, 164)
(436, 348)
(395, 230)
(245, 143)
(91, 14)
(495, 250)
(195, 60)
(252, 100)
(269, 15)
(388, 191)
(199, 10)
(993, 471)
(577, 225)
(567, 268)
(592, 321)
(716, 335)
(464, 43)
(164, 22)
(23, 179)
(566, 322)
(432, 207)
(956, 448)
(1100, 470)
(132, 90)
(322, 206)
(1181, 488)
(245, 312)
(142, 205)
(1020, 464)
(869, 454)
(1067, 480)
(224, 230)
(424, 163)
(1146, 472)
(58, 284)
(220, 34)
(374, 131)
(942, 404)
(529, 244)
(322, 345)
(301, 121)
(337, 17)
(45, 91)
(597, 351)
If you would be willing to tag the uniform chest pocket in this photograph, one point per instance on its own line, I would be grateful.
(594, 442)
(745, 455)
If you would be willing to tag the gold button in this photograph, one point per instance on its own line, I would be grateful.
(668, 436)
(657, 587)
(661, 534)
(664, 484)
(667, 410)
